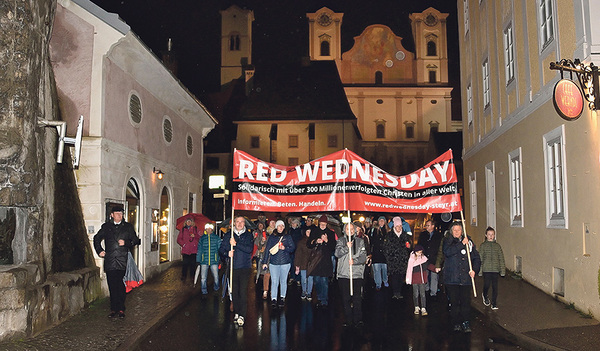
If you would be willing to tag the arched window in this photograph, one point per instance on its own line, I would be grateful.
(380, 129)
(431, 48)
(132, 197)
(234, 42)
(163, 227)
(378, 77)
(325, 48)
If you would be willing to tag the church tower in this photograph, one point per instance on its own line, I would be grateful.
(325, 35)
(431, 59)
(236, 42)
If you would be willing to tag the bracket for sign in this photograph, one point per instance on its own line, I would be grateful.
(587, 75)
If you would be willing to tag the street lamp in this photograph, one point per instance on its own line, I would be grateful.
(218, 182)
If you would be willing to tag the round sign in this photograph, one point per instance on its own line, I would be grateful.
(568, 99)
(446, 217)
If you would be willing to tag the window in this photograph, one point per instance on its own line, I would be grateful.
(410, 129)
(293, 141)
(434, 126)
(516, 187)
(509, 54)
(466, 15)
(135, 109)
(293, 161)
(325, 48)
(431, 48)
(470, 105)
(554, 162)
(546, 24)
(332, 140)
(432, 77)
(378, 77)
(234, 42)
(473, 198)
(380, 130)
(485, 72)
(189, 145)
(254, 142)
(167, 130)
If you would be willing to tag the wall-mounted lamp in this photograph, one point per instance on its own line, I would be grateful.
(158, 172)
(61, 127)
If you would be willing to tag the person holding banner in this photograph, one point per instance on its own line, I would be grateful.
(238, 246)
(458, 276)
(397, 250)
(350, 250)
(278, 257)
(322, 242)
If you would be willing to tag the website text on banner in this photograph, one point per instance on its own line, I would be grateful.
(343, 181)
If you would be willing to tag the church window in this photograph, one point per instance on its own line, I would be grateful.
(431, 48)
(325, 49)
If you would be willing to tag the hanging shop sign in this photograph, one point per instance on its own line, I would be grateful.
(568, 99)
(343, 181)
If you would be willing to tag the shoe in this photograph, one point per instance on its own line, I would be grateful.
(423, 311)
(121, 314)
(281, 302)
(377, 288)
(240, 321)
(494, 307)
(486, 301)
(386, 285)
(457, 328)
(417, 310)
(309, 298)
(303, 297)
(274, 303)
(265, 295)
(466, 327)
(112, 314)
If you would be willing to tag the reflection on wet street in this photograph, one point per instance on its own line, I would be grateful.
(206, 324)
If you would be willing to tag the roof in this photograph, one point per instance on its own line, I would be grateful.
(308, 91)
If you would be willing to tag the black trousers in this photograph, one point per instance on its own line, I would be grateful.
(116, 288)
(352, 304)
(397, 281)
(460, 298)
(239, 292)
(491, 278)
(189, 263)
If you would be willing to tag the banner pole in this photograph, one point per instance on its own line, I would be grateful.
(462, 218)
(350, 258)
(231, 258)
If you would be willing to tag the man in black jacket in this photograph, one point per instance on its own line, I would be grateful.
(430, 239)
(119, 237)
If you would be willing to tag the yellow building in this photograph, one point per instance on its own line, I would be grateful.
(529, 173)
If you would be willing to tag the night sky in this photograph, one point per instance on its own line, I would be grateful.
(280, 30)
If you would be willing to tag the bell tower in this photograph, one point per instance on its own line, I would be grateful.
(236, 42)
(431, 46)
(324, 28)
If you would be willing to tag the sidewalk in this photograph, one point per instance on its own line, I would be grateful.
(536, 320)
(147, 308)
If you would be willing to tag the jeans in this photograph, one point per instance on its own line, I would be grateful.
(279, 273)
(419, 289)
(432, 283)
(322, 286)
(307, 284)
(214, 269)
(380, 274)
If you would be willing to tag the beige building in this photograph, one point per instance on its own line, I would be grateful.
(529, 173)
(397, 96)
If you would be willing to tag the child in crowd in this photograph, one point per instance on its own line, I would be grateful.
(492, 265)
(416, 274)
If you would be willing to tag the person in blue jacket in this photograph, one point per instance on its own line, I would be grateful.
(279, 262)
(208, 257)
(239, 246)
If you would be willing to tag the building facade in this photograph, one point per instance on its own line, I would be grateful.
(528, 172)
(143, 132)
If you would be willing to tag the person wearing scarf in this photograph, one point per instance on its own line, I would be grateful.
(350, 250)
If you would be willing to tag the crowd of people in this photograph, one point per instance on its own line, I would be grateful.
(314, 253)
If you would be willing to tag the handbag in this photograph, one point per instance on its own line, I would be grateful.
(275, 248)
(313, 260)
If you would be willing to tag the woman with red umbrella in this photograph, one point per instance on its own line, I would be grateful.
(188, 240)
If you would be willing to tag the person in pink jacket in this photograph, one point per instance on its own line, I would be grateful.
(416, 274)
(188, 240)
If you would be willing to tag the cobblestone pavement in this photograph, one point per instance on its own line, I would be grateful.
(90, 330)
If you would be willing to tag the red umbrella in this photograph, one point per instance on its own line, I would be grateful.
(198, 218)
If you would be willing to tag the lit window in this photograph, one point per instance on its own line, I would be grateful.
(509, 54)
(554, 162)
(516, 186)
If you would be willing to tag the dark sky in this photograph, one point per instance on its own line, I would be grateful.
(280, 30)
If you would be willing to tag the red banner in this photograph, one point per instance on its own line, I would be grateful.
(343, 181)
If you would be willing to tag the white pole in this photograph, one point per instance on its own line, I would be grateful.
(231, 258)
(462, 218)
(350, 257)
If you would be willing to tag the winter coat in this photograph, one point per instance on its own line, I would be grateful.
(242, 254)
(416, 269)
(260, 244)
(324, 268)
(359, 256)
(456, 264)
(302, 254)
(378, 239)
(397, 249)
(208, 249)
(115, 256)
(189, 244)
(431, 246)
(439, 262)
(282, 256)
(492, 258)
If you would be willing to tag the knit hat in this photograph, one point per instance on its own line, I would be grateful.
(397, 221)
(418, 248)
(323, 218)
(381, 217)
(278, 223)
(209, 225)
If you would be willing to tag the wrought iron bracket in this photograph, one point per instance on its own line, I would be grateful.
(587, 75)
